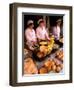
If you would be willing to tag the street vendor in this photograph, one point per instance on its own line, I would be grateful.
(41, 31)
(56, 30)
(30, 35)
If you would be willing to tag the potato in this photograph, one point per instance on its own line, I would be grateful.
(61, 65)
(43, 70)
(49, 68)
(48, 63)
(54, 68)
(60, 55)
(40, 54)
(62, 58)
(53, 62)
(58, 69)
(57, 62)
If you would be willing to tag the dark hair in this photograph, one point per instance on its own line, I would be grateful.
(41, 22)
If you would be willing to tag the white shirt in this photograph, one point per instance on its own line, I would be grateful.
(30, 35)
(56, 32)
(42, 33)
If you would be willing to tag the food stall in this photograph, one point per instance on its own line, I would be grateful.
(47, 57)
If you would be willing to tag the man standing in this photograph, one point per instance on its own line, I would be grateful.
(56, 29)
(41, 31)
(30, 35)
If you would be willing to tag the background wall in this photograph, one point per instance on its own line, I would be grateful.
(4, 46)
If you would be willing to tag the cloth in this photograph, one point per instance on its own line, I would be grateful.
(56, 32)
(42, 33)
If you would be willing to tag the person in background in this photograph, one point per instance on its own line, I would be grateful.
(30, 35)
(61, 33)
(41, 31)
(57, 29)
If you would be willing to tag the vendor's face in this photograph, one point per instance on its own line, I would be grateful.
(32, 25)
(59, 23)
(42, 24)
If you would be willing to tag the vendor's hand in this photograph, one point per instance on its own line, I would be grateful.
(31, 48)
(48, 39)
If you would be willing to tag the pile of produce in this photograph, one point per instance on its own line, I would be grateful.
(60, 55)
(45, 47)
(49, 61)
(51, 66)
(30, 67)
